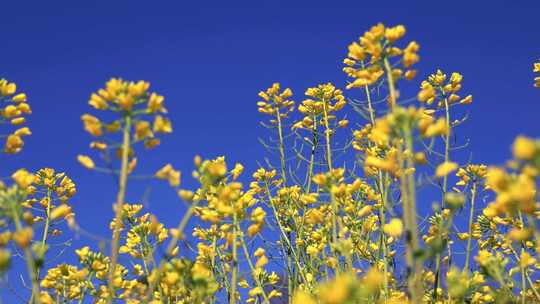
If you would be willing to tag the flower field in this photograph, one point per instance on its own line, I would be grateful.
(331, 216)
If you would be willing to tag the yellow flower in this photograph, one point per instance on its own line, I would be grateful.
(60, 211)
(138, 89)
(83, 253)
(23, 178)
(168, 173)
(373, 279)
(92, 125)
(14, 144)
(6, 88)
(46, 298)
(126, 101)
(255, 291)
(526, 260)
(10, 111)
(388, 165)
(162, 125)
(445, 168)
(275, 294)
(261, 262)
(186, 195)
(274, 101)
(23, 237)
(437, 128)
(86, 161)
(483, 257)
(394, 228)
(18, 121)
(312, 250)
(238, 169)
(524, 148)
(520, 235)
(466, 100)
(336, 291)
(98, 102)
(155, 104)
(394, 33)
(259, 252)
(24, 108)
(142, 130)
(301, 297)
(254, 229)
(23, 132)
(19, 98)
(314, 216)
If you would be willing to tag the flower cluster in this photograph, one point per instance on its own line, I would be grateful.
(31, 213)
(324, 100)
(439, 90)
(276, 102)
(141, 119)
(16, 107)
(368, 59)
(393, 127)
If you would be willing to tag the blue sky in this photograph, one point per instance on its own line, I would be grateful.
(209, 59)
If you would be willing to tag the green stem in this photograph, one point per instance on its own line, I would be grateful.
(288, 245)
(327, 136)
(172, 245)
(443, 192)
(120, 204)
(87, 282)
(446, 149)
(383, 191)
(471, 219)
(281, 147)
(47, 225)
(252, 268)
(391, 85)
(312, 155)
(29, 259)
(408, 190)
(234, 275)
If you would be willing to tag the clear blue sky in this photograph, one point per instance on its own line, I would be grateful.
(210, 59)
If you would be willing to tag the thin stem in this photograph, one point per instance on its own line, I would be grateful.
(408, 190)
(383, 191)
(281, 147)
(327, 136)
(120, 204)
(288, 243)
(335, 209)
(443, 193)
(47, 224)
(290, 277)
(471, 218)
(393, 95)
(314, 143)
(29, 259)
(172, 245)
(526, 274)
(370, 105)
(87, 282)
(252, 268)
(446, 148)
(234, 275)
